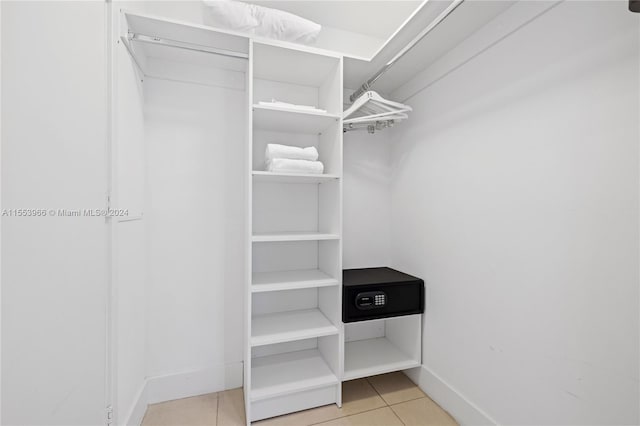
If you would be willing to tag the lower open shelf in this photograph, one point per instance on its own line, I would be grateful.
(289, 326)
(374, 356)
(287, 373)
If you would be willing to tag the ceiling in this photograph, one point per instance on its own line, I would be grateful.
(461, 24)
(379, 18)
(383, 18)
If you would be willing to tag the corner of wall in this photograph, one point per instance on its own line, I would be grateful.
(193, 383)
(158, 389)
(457, 405)
(139, 407)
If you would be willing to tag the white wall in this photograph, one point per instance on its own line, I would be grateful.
(54, 269)
(196, 151)
(515, 196)
(366, 195)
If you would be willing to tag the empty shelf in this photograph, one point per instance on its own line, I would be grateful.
(289, 326)
(261, 176)
(374, 356)
(289, 280)
(288, 373)
(293, 236)
(291, 120)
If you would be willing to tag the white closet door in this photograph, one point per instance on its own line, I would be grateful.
(54, 269)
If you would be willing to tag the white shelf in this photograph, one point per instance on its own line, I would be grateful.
(293, 236)
(288, 373)
(289, 326)
(291, 120)
(202, 35)
(290, 280)
(293, 66)
(271, 177)
(374, 356)
(198, 38)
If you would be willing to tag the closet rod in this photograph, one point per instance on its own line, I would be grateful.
(367, 85)
(142, 38)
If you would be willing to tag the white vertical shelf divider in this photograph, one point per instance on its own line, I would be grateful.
(294, 235)
(249, 237)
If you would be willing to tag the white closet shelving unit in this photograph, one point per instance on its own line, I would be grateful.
(295, 343)
(297, 350)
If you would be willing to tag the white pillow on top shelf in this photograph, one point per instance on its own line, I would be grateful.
(261, 21)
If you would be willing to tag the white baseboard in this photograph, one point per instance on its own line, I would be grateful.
(464, 411)
(183, 385)
(192, 383)
(135, 416)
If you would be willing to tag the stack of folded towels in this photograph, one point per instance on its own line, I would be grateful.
(292, 159)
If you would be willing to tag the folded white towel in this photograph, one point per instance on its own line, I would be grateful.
(275, 150)
(286, 165)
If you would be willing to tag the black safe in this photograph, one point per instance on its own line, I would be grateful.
(373, 293)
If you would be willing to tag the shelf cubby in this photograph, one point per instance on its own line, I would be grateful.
(289, 326)
(284, 212)
(297, 77)
(290, 372)
(290, 315)
(326, 142)
(289, 377)
(381, 346)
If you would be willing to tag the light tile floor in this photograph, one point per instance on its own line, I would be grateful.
(385, 400)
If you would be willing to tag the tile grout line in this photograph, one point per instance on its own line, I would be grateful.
(361, 412)
(374, 388)
(386, 405)
(385, 402)
(349, 415)
(218, 407)
(397, 403)
(409, 400)
(397, 416)
(341, 417)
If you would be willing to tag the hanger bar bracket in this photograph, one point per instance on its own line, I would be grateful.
(125, 42)
(142, 38)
